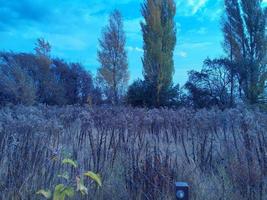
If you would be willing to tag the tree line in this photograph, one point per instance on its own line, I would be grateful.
(239, 75)
(38, 78)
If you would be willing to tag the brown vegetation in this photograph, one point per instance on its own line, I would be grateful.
(139, 153)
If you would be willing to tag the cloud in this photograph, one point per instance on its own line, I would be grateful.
(190, 7)
(182, 54)
(129, 8)
(16, 13)
(213, 14)
(196, 5)
(136, 49)
(139, 49)
(191, 45)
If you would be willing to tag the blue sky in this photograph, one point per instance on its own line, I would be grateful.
(74, 26)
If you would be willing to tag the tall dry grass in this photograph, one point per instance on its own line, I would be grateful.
(139, 153)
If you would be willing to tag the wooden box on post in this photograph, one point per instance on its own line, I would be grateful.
(182, 191)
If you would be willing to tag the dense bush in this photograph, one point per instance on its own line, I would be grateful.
(139, 153)
(142, 94)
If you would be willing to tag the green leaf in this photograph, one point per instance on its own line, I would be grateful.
(58, 192)
(70, 162)
(94, 176)
(46, 193)
(61, 192)
(69, 191)
(81, 187)
(65, 175)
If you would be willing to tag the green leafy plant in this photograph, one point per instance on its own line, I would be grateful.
(70, 162)
(93, 176)
(62, 191)
(65, 175)
(46, 193)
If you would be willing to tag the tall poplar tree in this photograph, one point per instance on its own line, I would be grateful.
(159, 37)
(245, 42)
(113, 72)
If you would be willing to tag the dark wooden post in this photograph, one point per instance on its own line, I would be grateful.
(182, 191)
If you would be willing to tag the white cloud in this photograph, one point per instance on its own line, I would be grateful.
(190, 7)
(196, 45)
(196, 5)
(137, 49)
(182, 54)
(213, 14)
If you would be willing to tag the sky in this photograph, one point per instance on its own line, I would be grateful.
(73, 28)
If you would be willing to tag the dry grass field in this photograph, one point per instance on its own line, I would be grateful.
(138, 153)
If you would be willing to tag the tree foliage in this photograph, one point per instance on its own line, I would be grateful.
(42, 47)
(37, 78)
(159, 36)
(113, 73)
(211, 86)
(16, 85)
(139, 95)
(245, 42)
